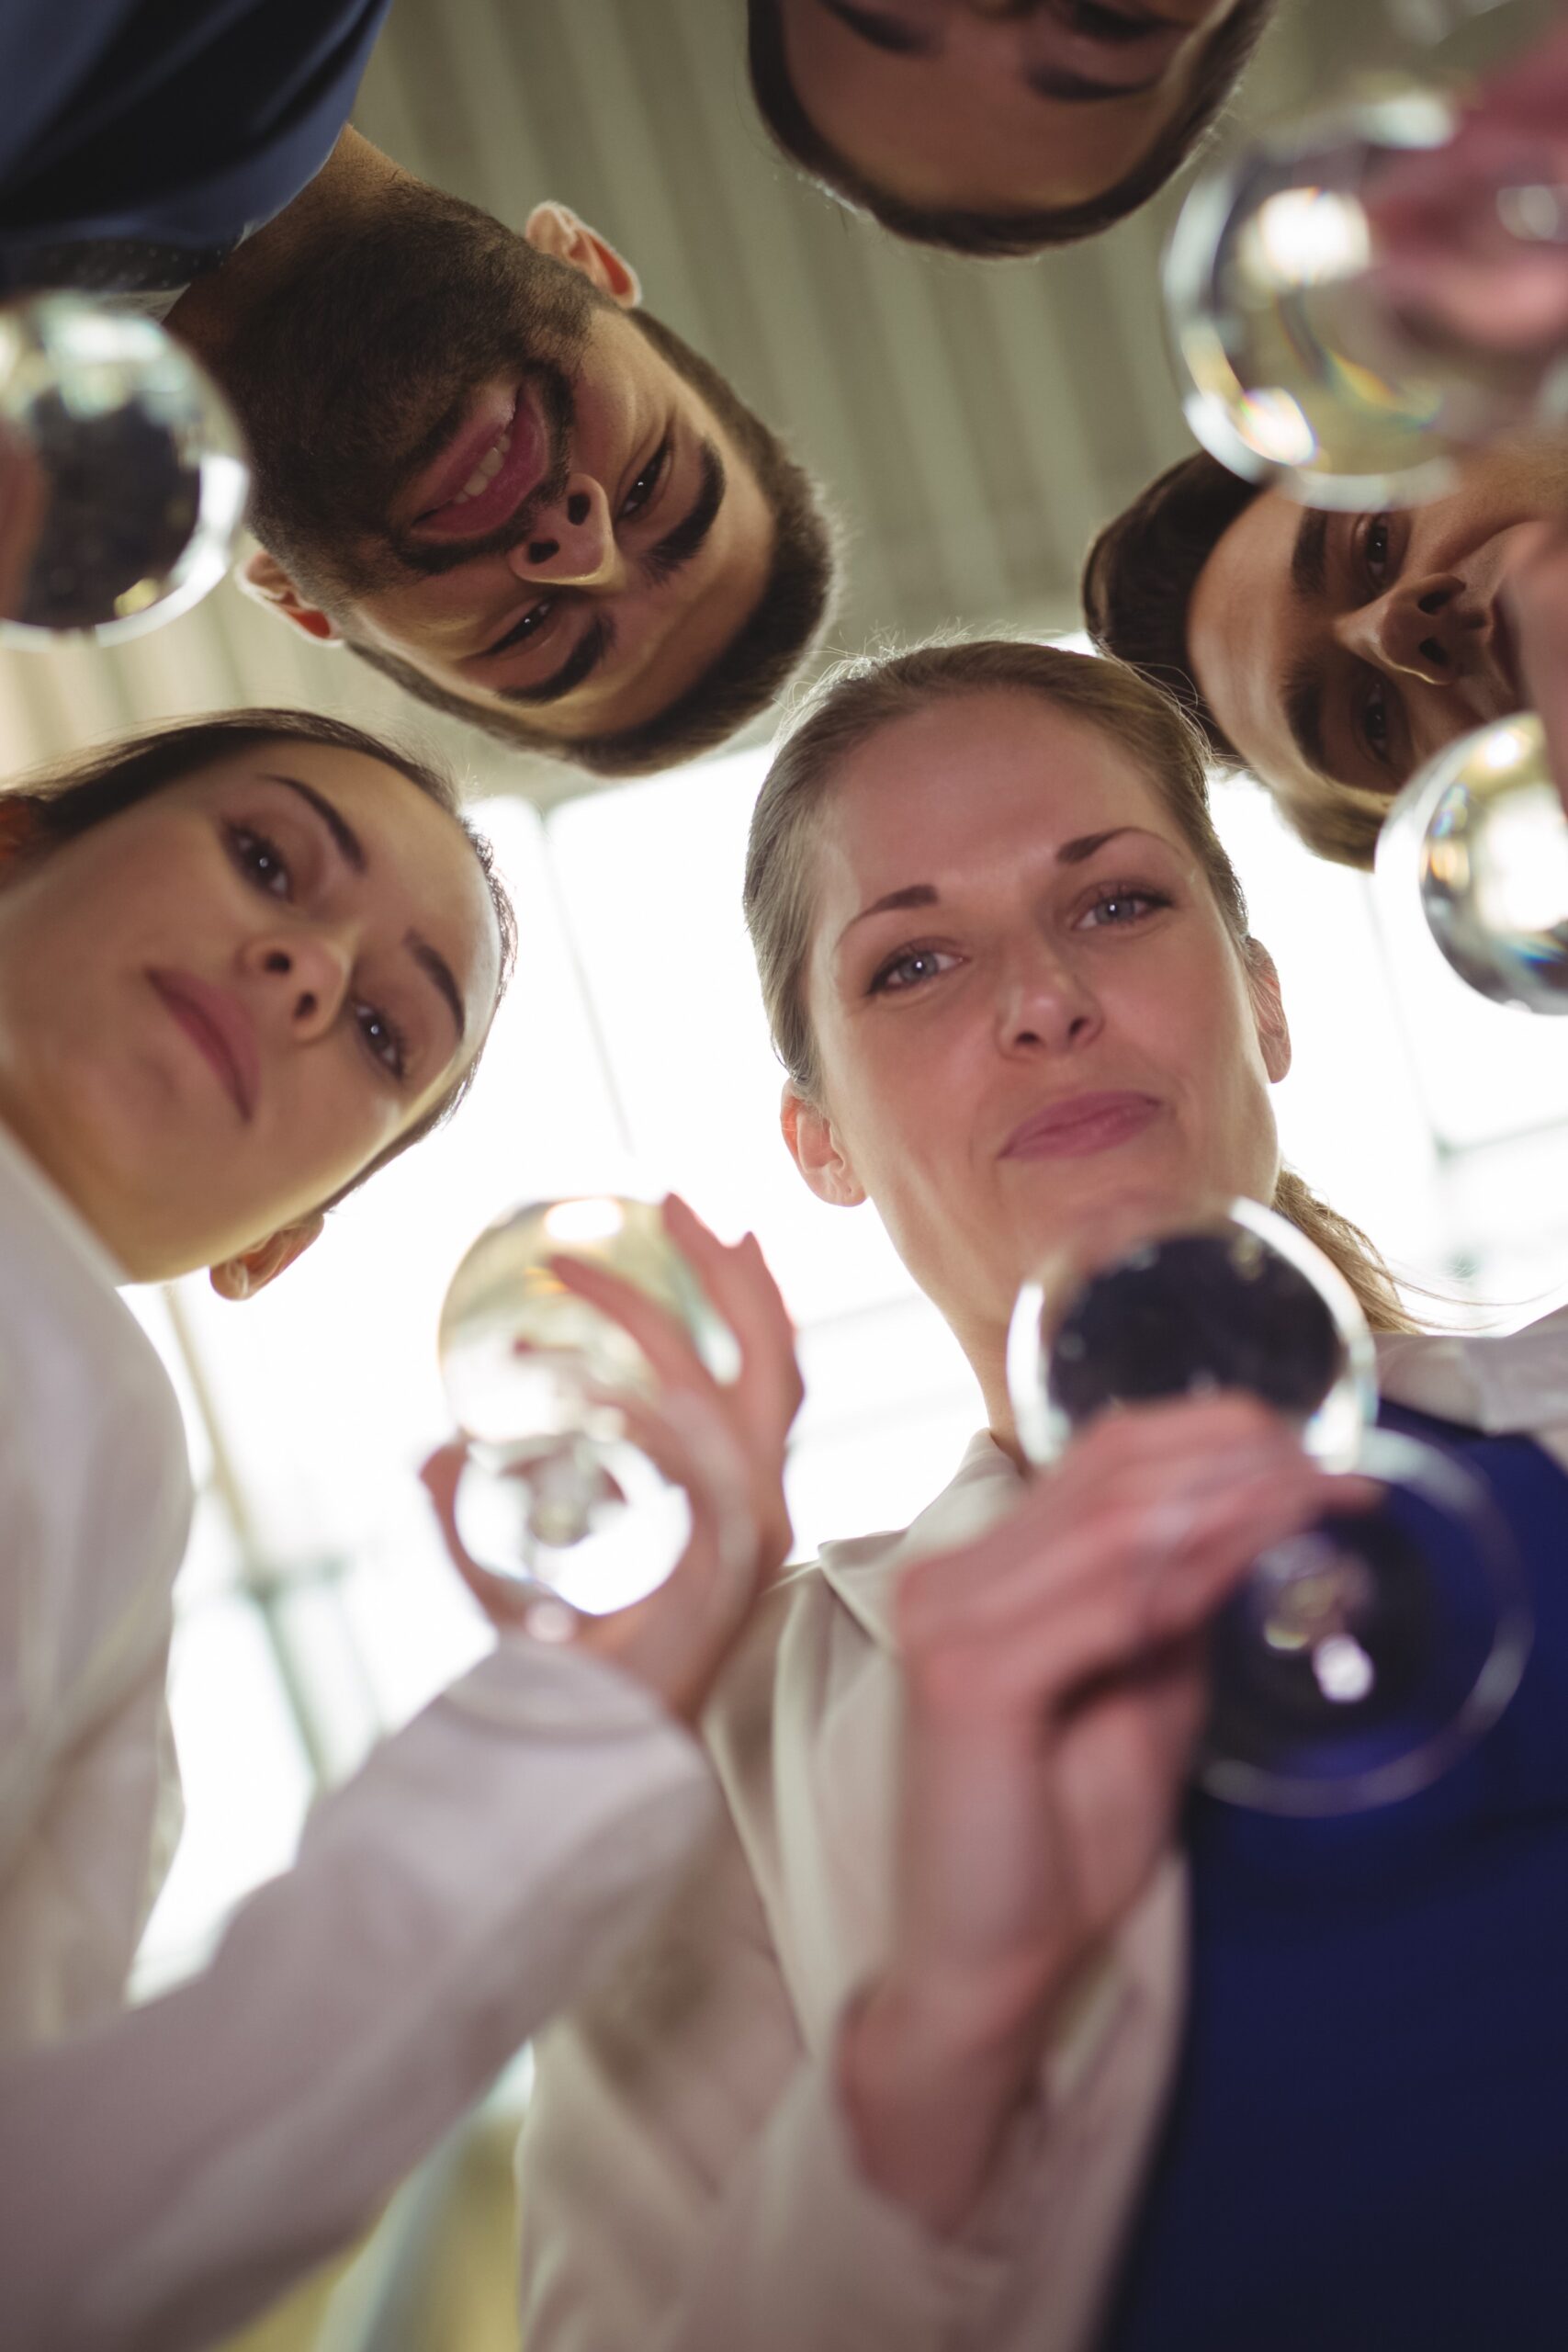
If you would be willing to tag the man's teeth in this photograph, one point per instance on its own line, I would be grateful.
(485, 472)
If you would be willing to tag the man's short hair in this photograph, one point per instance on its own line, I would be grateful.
(997, 235)
(757, 664)
(1137, 591)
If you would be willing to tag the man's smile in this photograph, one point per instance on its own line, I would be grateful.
(498, 455)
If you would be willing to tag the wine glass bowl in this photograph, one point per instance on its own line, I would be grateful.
(1481, 828)
(1364, 1653)
(1186, 1304)
(1295, 365)
(1364, 1656)
(141, 472)
(578, 1477)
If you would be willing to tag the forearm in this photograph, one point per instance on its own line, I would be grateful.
(929, 2102)
(168, 2174)
(805, 2254)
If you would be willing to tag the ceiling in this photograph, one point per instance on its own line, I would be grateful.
(974, 423)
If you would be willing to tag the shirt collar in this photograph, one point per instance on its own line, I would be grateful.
(1501, 1383)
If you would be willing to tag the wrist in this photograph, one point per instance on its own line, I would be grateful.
(929, 2091)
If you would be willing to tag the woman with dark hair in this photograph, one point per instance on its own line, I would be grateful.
(978, 2027)
(996, 127)
(243, 963)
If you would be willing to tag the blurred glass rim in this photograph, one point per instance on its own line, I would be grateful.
(1333, 1434)
(1439, 795)
(1449, 1488)
(1406, 115)
(43, 327)
(469, 1303)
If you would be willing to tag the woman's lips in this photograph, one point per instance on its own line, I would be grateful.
(219, 1027)
(1079, 1125)
(441, 511)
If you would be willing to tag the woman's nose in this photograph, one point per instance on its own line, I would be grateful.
(1047, 1002)
(572, 543)
(305, 975)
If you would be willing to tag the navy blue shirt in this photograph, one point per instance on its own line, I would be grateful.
(166, 127)
(1367, 2149)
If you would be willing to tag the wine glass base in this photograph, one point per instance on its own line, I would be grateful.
(1362, 1658)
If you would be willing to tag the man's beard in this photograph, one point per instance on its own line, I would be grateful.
(354, 375)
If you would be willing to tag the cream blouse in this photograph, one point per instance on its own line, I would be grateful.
(166, 2170)
(687, 2180)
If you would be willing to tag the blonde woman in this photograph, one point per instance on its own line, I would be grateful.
(977, 2027)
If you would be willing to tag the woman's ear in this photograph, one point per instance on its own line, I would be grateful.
(816, 1151)
(243, 1275)
(1267, 1011)
(263, 578)
(555, 230)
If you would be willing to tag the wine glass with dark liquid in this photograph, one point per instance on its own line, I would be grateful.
(1361, 1656)
(124, 474)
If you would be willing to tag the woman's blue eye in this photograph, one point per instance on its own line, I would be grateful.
(906, 970)
(1119, 908)
(384, 1039)
(259, 860)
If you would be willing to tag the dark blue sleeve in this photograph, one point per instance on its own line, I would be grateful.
(181, 123)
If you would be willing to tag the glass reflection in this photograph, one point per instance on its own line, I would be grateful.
(123, 477)
(1363, 1656)
(577, 1478)
(1480, 828)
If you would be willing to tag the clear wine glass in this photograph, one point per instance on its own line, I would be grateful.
(1295, 365)
(127, 475)
(1363, 1656)
(578, 1475)
(1480, 828)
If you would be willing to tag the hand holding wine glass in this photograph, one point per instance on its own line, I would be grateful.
(1054, 1690)
(721, 1442)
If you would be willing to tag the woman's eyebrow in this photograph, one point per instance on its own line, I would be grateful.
(432, 961)
(926, 894)
(914, 894)
(349, 845)
(882, 32)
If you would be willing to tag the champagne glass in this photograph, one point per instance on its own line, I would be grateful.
(125, 476)
(1364, 1654)
(1295, 365)
(1481, 828)
(578, 1477)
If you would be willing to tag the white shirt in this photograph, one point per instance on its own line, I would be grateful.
(166, 2170)
(687, 2180)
